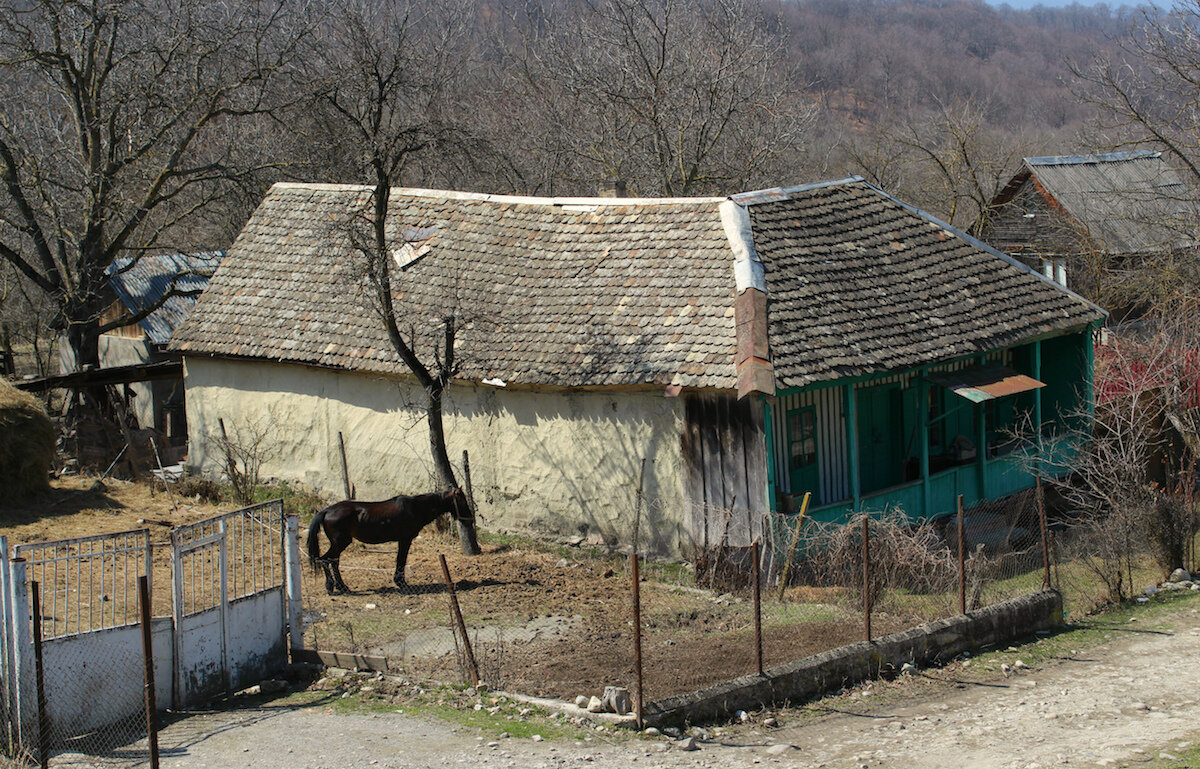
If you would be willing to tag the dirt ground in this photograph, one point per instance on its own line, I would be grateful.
(1129, 700)
(544, 620)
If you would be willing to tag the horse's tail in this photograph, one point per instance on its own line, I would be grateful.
(314, 544)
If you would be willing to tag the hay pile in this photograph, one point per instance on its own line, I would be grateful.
(26, 444)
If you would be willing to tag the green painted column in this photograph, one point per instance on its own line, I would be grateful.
(1037, 393)
(923, 431)
(769, 431)
(981, 461)
(852, 443)
(1089, 374)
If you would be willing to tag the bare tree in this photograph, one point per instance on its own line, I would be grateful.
(385, 86)
(671, 97)
(118, 126)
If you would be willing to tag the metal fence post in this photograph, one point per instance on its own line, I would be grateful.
(291, 549)
(178, 692)
(962, 560)
(866, 575)
(148, 668)
(25, 699)
(758, 638)
(43, 718)
(7, 673)
(637, 637)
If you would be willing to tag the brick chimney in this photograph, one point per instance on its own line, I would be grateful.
(612, 188)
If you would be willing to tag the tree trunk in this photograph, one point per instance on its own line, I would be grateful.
(441, 461)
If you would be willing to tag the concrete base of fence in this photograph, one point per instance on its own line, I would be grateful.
(848, 665)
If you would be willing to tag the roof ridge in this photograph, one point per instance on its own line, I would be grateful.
(486, 197)
(768, 194)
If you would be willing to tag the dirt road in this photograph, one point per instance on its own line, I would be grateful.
(1122, 703)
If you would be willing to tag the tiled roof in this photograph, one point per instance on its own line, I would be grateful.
(592, 292)
(859, 283)
(557, 292)
(141, 282)
(1130, 202)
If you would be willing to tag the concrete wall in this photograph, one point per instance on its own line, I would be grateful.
(544, 462)
(95, 679)
(813, 676)
(255, 638)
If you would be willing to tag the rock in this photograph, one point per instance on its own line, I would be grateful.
(688, 743)
(908, 669)
(1179, 575)
(780, 749)
(741, 716)
(616, 700)
(595, 705)
(537, 738)
(770, 723)
(651, 732)
(671, 731)
(581, 701)
(1151, 590)
(576, 541)
(1006, 669)
(337, 672)
(370, 606)
(1020, 665)
(563, 563)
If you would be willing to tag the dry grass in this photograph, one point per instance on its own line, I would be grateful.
(26, 444)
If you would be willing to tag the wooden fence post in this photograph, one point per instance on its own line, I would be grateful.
(962, 561)
(458, 620)
(758, 637)
(43, 721)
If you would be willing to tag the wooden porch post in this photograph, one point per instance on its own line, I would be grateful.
(852, 443)
(769, 431)
(923, 421)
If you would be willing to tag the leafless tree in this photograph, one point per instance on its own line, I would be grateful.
(670, 97)
(385, 87)
(120, 125)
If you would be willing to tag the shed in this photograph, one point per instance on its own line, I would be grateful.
(741, 349)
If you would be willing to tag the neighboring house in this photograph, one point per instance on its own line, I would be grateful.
(740, 349)
(137, 286)
(1074, 216)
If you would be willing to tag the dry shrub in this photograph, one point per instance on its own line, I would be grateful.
(905, 554)
(27, 441)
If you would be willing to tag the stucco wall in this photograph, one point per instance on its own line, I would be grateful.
(543, 462)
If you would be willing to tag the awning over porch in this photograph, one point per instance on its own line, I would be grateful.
(985, 382)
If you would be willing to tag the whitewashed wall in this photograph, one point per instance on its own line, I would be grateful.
(549, 462)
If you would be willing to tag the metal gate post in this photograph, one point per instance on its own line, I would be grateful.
(223, 561)
(24, 672)
(292, 577)
(177, 611)
(7, 674)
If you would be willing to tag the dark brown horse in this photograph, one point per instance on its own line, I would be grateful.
(398, 519)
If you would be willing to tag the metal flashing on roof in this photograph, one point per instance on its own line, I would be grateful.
(560, 202)
(774, 194)
(1107, 157)
(747, 267)
(986, 382)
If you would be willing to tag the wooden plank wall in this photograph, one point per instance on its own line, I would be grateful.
(724, 447)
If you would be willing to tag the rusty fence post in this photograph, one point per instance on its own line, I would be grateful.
(458, 620)
(1041, 504)
(637, 637)
(758, 637)
(148, 675)
(866, 575)
(962, 560)
(35, 601)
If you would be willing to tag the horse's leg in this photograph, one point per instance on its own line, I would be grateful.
(402, 546)
(330, 562)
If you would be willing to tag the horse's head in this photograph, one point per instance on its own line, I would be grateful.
(459, 506)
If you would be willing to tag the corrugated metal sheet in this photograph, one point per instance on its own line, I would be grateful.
(1130, 202)
(142, 282)
(984, 383)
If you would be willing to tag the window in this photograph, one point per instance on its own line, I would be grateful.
(802, 438)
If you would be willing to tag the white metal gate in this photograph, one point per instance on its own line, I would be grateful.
(229, 601)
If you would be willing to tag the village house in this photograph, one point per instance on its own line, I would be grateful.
(725, 353)
(1078, 217)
